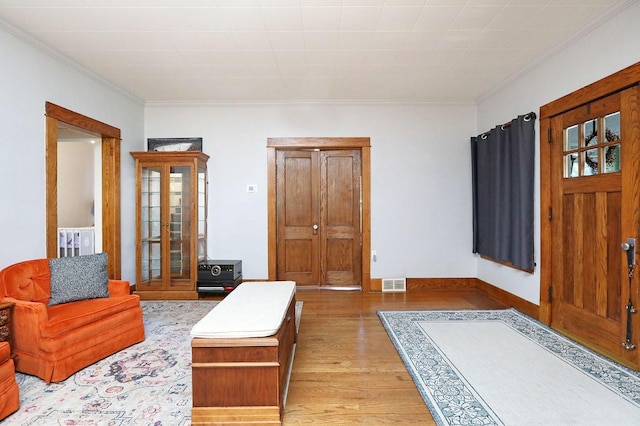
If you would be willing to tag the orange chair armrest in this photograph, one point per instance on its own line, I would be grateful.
(119, 288)
(26, 320)
(23, 308)
(5, 351)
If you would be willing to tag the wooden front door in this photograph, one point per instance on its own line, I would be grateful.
(319, 217)
(594, 202)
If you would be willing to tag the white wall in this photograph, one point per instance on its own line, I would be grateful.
(76, 184)
(610, 48)
(420, 177)
(421, 196)
(29, 77)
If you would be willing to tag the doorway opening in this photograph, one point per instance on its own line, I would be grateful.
(61, 124)
(79, 191)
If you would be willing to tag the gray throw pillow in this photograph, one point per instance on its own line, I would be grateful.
(78, 278)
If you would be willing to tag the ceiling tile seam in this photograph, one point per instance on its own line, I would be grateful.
(273, 50)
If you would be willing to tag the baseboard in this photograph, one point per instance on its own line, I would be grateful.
(420, 284)
(511, 300)
(417, 284)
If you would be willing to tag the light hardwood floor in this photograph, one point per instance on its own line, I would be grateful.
(347, 371)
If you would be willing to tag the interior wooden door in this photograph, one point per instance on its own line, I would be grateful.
(318, 217)
(298, 213)
(340, 234)
(594, 195)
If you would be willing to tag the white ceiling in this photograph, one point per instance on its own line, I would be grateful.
(309, 50)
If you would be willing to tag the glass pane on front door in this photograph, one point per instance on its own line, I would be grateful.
(571, 138)
(612, 158)
(590, 132)
(612, 127)
(587, 152)
(591, 162)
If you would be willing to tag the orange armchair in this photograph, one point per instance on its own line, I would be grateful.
(53, 342)
(9, 393)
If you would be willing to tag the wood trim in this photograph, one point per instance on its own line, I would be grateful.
(168, 294)
(545, 222)
(362, 143)
(375, 284)
(111, 240)
(615, 82)
(365, 159)
(111, 208)
(319, 143)
(509, 299)
(162, 157)
(51, 196)
(240, 415)
(630, 217)
(419, 284)
(271, 214)
(82, 121)
(415, 285)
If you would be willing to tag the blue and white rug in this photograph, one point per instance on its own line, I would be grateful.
(501, 367)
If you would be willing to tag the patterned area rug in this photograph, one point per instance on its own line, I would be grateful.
(504, 368)
(145, 384)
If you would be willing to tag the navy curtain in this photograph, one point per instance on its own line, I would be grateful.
(503, 184)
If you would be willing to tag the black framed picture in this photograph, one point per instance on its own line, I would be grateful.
(174, 144)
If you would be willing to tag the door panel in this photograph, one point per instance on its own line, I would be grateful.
(341, 201)
(318, 217)
(590, 284)
(297, 205)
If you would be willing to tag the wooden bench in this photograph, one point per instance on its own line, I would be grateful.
(242, 352)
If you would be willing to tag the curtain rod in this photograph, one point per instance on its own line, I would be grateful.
(529, 116)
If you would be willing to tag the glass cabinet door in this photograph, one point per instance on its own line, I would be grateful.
(150, 223)
(180, 222)
(202, 214)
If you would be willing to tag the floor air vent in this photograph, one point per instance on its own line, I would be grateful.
(394, 285)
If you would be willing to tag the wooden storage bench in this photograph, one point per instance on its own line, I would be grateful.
(241, 355)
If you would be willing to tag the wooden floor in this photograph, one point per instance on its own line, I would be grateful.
(347, 371)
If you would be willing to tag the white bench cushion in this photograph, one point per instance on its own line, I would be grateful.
(253, 309)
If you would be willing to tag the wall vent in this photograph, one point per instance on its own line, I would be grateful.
(394, 285)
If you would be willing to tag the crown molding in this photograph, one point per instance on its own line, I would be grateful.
(47, 50)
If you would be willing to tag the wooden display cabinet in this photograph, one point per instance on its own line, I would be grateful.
(171, 222)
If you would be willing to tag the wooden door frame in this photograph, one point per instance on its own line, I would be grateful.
(359, 143)
(111, 243)
(613, 83)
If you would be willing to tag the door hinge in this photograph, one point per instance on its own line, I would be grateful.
(550, 214)
(549, 138)
(550, 294)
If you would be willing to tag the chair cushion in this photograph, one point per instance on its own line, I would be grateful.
(78, 278)
(253, 309)
(67, 318)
